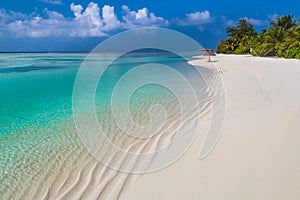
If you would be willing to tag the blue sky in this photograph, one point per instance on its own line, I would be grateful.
(78, 25)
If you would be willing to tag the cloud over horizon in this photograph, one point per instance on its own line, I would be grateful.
(91, 21)
(87, 22)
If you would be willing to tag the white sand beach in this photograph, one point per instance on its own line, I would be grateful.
(256, 156)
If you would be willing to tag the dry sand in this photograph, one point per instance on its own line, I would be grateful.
(257, 154)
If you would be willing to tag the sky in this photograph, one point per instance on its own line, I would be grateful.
(80, 25)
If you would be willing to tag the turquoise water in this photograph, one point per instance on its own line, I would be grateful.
(38, 139)
(37, 88)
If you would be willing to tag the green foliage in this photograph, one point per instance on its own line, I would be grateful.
(238, 41)
(285, 22)
(281, 39)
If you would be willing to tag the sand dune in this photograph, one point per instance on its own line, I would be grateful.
(257, 154)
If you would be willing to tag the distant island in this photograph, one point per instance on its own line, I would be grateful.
(281, 39)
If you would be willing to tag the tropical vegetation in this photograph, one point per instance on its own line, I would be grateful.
(281, 39)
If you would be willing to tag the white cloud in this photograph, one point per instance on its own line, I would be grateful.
(87, 22)
(141, 18)
(256, 22)
(55, 2)
(54, 25)
(54, 15)
(8, 16)
(196, 18)
(110, 19)
(77, 9)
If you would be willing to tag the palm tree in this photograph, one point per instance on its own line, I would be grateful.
(275, 37)
(290, 48)
(243, 28)
(239, 37)
(285, 22)
(281, 39)
(231, 31)
(272, 40)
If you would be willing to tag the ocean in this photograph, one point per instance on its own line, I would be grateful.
(40, 147)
